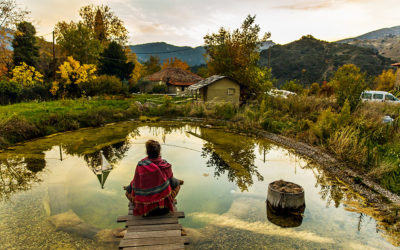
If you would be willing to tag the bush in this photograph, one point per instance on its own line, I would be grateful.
(104, 84)
(160, 88)
(9, 91)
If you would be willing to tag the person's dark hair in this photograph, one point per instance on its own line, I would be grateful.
(153, 149)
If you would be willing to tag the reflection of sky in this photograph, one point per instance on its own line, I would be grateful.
(206, 200)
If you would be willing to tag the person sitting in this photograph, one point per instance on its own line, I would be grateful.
(153, 188)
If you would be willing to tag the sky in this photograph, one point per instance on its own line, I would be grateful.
(186, 22)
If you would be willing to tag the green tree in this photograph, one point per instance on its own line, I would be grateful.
(78, 41)
(236, 54)
(293, 86)
(348, 83)
(113, 28)
(99, 29)
(24, 45)
(113, 61)
(152, 65)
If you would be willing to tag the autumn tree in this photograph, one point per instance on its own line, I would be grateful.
(10, 15)
(138, 71)
(78, 41)
(72, 74)
(348, 83)
(26, 75)
(24, 44)
(113, 61)
(104, 23)
(236, 54)
(174, 62)
(386, 80)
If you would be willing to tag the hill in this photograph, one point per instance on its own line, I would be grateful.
(192, 56)
(310, 60)
(386, 41)
(376, 34)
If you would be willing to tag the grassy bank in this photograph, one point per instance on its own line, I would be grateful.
(359, 138)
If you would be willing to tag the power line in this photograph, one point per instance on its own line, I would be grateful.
(162, 52)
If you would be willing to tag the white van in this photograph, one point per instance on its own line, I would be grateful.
(378, 96)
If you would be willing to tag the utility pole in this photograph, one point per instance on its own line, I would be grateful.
(54, 58)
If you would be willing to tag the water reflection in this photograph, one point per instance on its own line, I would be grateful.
(234, 157)
(241, 163)
(18, 174)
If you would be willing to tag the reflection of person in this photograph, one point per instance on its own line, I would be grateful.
(153, 188)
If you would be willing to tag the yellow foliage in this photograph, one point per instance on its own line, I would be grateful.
(26, 75)
(386, 80)
(175, 63)
(54, 88)
(72, 72)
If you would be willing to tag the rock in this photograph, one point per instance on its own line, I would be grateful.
(110, 235)
(71, 223)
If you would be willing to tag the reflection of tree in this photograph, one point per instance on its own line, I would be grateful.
(232, 154)
(18, 174)
(332, 190)
(113, 153)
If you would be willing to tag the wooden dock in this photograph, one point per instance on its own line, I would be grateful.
(155, 232)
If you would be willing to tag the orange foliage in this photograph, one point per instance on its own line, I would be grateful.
(175, 63)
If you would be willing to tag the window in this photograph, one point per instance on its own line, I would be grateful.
(378, 96)
(231, 91)
(390, 98)
(366, 96)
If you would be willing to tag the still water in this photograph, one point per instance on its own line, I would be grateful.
(53, 194)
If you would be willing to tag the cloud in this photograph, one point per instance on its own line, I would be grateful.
(316, 5)
(259, 227)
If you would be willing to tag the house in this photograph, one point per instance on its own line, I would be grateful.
(217, 89)
(176, 79)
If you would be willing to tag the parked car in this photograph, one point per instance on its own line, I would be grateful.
(378, 96)
(280, 93)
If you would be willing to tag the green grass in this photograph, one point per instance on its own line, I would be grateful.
(24, 121)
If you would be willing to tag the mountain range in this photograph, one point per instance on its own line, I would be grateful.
(385, 41)
(192, 56)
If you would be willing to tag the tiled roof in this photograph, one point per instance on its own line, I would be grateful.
(175, 76)
(208, 81)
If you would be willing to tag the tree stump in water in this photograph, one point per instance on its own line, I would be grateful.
(285, 203)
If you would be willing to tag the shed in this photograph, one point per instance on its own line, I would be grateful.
(217, 88)
(176, 79)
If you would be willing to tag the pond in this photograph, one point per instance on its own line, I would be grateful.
(53, 194)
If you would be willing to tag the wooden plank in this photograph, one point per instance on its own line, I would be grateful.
(166, 220)
(158, 247)
(145, 228)
(153, 241)
(152, 234)
(124, 218)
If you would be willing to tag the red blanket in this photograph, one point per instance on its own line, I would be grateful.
(151, 187)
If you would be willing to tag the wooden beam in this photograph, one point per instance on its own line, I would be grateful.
(145, 228)
(124, 218)
(158, 247)
(152, 234)
(153, 241)
(166, 220)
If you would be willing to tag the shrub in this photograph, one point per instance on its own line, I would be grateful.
(103, 84)
(160, 88)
